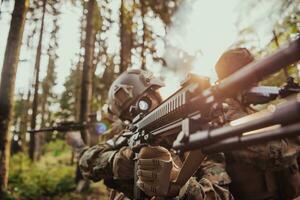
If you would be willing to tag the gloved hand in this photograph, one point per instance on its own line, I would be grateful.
(156, 172)
(123, 164)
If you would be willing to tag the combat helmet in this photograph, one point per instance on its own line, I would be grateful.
(128, 87)
(232, 60)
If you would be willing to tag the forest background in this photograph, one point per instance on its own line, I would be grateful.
(58, 59)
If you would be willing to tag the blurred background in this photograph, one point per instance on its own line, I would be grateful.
(70, 43)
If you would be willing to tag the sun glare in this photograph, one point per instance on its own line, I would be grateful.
(207, 31)
(200, 31)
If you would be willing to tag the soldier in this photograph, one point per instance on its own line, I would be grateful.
(115, 166)
(268, 171)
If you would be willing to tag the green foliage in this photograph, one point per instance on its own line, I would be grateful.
(286, 27)
(52, 176)
(36, 183)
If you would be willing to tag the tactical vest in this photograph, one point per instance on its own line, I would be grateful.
(267, 171)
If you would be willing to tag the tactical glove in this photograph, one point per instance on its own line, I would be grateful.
(156, 172)
(123, 164)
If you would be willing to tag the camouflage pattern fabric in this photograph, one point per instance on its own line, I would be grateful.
(210, 181)
(266, 171)
(96, 163)
(102, 162)
(274, 155)
(203, 190)
(100, 168)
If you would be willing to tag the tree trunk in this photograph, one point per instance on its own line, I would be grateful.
(125, 38)
(77, 92)
(24, 121)
(7, 85)
(33, 136)
(87, 75)
(143, 45)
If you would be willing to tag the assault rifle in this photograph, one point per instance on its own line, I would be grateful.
(197, 106)
(100, 127)
(61, 127)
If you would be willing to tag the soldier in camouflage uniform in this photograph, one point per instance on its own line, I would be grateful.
(268, 171)
(115, 166)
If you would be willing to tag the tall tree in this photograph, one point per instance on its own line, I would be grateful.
(144, 37)
(125, 36)
(69, 101)
(97, 51)
(7, 85)
(47, 96)
(87, 75)
(47, 85)
(282, 19)
(34, 137)
(24, 120)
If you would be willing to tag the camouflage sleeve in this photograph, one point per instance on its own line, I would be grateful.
(124, 186)
(210, 182)
(96, 162)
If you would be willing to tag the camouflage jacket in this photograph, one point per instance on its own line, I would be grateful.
(210, 181)
(96, 163)
(274, 155)
(264, 171)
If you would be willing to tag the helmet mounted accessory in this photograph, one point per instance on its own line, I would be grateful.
(128, 89)
(143, 105)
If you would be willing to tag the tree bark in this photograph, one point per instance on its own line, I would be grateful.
(7, 85)
(24, 121)
(87, 75)
(34, 137)
(143, 45)
(125, 38)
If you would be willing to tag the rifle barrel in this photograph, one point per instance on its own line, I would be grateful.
(284, 114)
(188, 101)
(59, 128)
(49, 129)
(239, 142)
